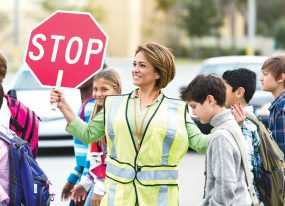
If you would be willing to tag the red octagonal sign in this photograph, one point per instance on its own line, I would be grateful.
(71, 43)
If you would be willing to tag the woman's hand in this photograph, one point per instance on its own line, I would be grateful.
(96, 200)
(66, 191)
(238, 113)
(78, 194)
(57, 97)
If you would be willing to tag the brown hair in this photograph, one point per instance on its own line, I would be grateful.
(276, 66)
(3, 66)
(162, 59)
(1, 95)
(202, 86)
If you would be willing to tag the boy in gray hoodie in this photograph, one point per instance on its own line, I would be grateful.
(225, 176)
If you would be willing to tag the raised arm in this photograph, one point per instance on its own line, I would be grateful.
(90, 132)
(87, 133)
(57, 97)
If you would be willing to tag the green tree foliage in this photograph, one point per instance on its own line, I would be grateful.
(268, 13)
(166, 4)
(279, 34)
(50, 6)
(200, 18)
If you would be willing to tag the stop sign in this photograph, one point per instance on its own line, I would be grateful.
(72, 43)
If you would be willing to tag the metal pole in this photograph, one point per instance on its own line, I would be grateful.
(251, 26)
(16, 23)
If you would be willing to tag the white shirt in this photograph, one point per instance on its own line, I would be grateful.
(5, 114)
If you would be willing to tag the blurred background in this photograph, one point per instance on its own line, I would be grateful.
(194, 29)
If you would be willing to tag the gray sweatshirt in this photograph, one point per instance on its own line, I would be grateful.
(225, 179)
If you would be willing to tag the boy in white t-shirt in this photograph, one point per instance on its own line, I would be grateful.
(5, 113)
(4, 159)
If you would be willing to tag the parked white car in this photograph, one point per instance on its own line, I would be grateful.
(52, 126)
(218, 65)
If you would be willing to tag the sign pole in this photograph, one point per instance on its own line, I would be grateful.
(57, 86)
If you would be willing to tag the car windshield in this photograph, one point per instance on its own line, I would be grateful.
(219, 69)
(26, 81)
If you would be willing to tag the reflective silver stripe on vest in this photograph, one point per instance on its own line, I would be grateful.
(111, 115)
(120, 172)
(170, 134)
(158, 175)
(171, 130)
(111, 194)
(162, 197)
(129, 174)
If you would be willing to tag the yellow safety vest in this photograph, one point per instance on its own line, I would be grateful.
(146, 176)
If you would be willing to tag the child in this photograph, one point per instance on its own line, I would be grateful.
(240, 87)
(18, 117)
(225, 177)
(273, 80)
(106, 82)
(80, 149)
(4, 163)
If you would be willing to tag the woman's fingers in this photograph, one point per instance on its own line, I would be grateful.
(238, 113)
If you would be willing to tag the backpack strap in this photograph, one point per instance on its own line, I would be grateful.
(255, 201)
(5, 138)
(254, 119)
(268, 145)
(82, 109)
(10, 137)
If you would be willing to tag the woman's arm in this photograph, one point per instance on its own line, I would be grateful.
(57, 97)
(197, 140)
(87, 133)
(90, 132)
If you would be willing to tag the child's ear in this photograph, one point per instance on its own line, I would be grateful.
(240, 92)
(282, 78)
(211, 99)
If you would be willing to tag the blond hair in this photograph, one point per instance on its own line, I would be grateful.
(162, 59)
(113, 78)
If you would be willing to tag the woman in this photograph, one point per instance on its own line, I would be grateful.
(147, 134)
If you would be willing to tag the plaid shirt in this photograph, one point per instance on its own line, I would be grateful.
(277, 120)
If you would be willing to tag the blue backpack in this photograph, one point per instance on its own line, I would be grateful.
(29, 185)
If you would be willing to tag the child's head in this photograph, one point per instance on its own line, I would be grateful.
(1, 95)
(205, 95)
(106, 82)
(86, 89)
(240, 86)
(273, 73)
(3, 67)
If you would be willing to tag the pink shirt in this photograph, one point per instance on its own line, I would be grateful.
(4, 172)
